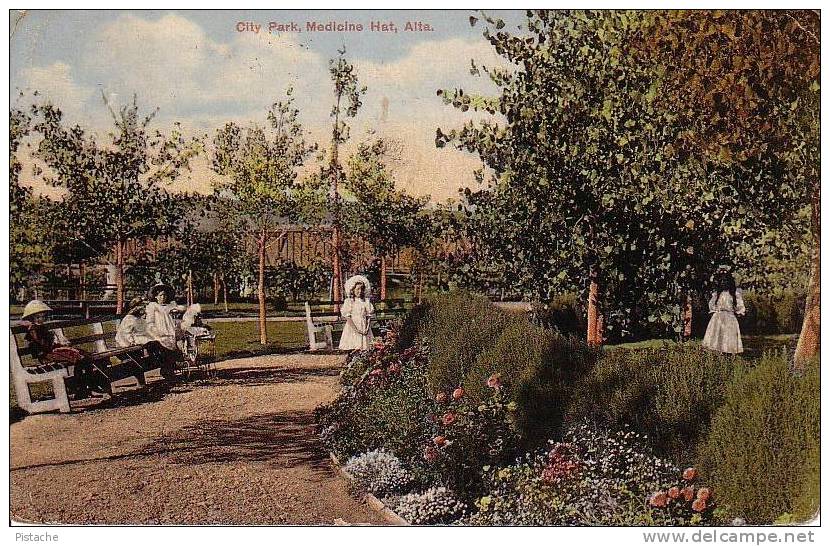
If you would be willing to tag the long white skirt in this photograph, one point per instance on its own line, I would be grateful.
(723, 333)
(352, 338)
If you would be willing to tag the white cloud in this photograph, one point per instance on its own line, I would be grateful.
(174, 64)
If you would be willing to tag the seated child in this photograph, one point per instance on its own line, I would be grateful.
(51, 346)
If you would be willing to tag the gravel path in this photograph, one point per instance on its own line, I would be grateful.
(236, 449)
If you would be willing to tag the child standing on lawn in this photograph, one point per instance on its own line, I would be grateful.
(357, 310)
(723, 333)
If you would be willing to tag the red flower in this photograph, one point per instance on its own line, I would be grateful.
(448, 419)
(674, 492)
(494, 381)
(378, 344)
(699, 505)
(394, 368)
(440, 441)
(659, 499)
(441, 397)
(430, 454)
(688, 493)
(458, 393)
(704, 494)
(689, 474)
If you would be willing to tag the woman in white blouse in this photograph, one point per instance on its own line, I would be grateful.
(723, 333)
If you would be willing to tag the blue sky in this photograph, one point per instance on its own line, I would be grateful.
(198, 69)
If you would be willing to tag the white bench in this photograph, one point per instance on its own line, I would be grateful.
(129, 364)
(314, 329)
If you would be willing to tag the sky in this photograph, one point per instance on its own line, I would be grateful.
(205, 68)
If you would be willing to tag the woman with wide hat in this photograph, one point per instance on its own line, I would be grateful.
(357, 310)
(51, 346)
(160, 324)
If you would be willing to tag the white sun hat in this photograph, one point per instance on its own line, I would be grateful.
(34, 307)
(349, 285)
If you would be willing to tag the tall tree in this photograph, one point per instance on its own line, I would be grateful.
(584, 194)
(388, 219)
(260, 168)
(114, 191)
(746, 86)
(29, 244)
(347, 94)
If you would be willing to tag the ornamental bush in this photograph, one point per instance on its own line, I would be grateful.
(762, 453)
(378, 472)
(435, 506)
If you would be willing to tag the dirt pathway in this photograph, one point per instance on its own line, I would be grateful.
(236, 449)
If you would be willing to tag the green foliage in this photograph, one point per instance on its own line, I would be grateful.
(762, 454)
(458, 328)
(780, 313)
(613, 176)
(670, 394)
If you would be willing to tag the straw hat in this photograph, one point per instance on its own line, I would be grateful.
(34, 307)
(349, 284)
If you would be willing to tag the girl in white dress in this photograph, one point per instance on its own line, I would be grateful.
(160, 323)
(357, 310)
(723, 333)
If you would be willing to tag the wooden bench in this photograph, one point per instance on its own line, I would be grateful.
(313, 329)
(114, 363)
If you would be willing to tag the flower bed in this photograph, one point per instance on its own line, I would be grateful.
(443, 458)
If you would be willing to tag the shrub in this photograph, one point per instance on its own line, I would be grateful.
(669, 394)
(762, 453)
(469, 435)
(459, 326)
(378, 472)
(436, 505)
(563, 315)
(384, 404)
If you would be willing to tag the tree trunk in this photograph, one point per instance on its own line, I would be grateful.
(687, 317)
(215, 288)
(382, 278)
(119, 276)
(809, 342)
(594, 319)
(337, 289)
(263, 334)
(224, 293)
(82, 273)
(189, 287)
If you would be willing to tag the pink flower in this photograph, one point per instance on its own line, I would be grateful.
(376, 372)
(659, 499)
(440, 441)
(430, 454)
(699, 505)
(441, 397)
(458, 393)
(674, 492)
(689, 474)
(688, 493)
(378, 344)
(394, 368)
(494, 381)
(704, 494)
(448, 419)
